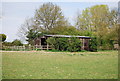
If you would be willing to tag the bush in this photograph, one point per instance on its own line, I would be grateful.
(58, 43)
(93, 44)
(2, 37)
(7, 44)
(17, 42)
(65, 44)
(74, 45)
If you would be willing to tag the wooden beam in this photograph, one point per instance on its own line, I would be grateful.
(83, 44)
(40, 42)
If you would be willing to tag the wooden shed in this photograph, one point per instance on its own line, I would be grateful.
(41, 41)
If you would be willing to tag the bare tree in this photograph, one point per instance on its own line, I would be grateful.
(25, 27)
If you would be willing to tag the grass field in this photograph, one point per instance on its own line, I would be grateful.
(60, 65)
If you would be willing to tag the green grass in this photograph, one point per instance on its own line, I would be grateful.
(54, 50)
(60, 65)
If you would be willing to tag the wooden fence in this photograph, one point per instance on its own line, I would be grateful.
(23, 48)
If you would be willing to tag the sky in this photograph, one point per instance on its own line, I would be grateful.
(15, 13)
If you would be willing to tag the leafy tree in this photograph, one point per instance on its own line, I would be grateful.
(17, 42)
(49, 16)
(83, 22)
(99, 21)
(66, 30)
(3, 37)
(30, 37)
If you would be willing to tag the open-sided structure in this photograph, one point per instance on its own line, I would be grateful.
(41, 41)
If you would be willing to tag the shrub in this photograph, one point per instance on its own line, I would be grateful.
(93, 44)
(74, 45)
(17, 42)
(7, 44)
(51, 41)
(65, 44)
(58, 43)
(3, 37)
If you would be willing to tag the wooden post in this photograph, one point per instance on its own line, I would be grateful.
(23, 48)
(40, 41)
(47, 46)
(83, 44)
(29, 47)
(42, 47)
(88, 44)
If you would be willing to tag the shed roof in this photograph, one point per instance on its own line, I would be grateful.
(67, 36)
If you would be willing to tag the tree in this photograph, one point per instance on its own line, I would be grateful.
(66, 30)
(83, 22)
(31, 35)
(99, 21)
(113, 27)
(49, 16)
(25, 28)
(17, 42)
(3, 37)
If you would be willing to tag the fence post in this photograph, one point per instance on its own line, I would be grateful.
(47, 46)
(33, 47)
(29, 46)
(24, 48)
(36, 47)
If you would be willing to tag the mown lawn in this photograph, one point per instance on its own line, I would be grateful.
(60, 65)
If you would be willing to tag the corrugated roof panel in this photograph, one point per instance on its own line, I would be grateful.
(67, 36)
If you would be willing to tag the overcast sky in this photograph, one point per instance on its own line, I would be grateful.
(15, 13)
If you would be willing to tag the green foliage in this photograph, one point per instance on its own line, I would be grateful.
(58, 43)
(98, 21)
(2, 37)
(7, 44)
(119, 36)
(93, 44)
(49, 16)
(46, 18)
(74, 45)
(101, 22)
(61, 44)
(83, 20)
(66, 30)
(17, 42)
(51, 41)
(65, 44)
(31, 35)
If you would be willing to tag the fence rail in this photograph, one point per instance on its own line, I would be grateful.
(36, 47)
